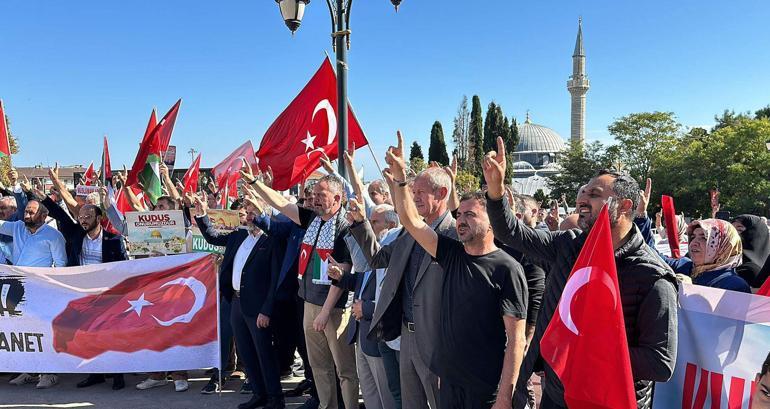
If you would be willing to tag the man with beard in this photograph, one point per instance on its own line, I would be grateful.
(88, 243)
(325, 312)
(484, 301)
(35, 244)
(648, 287)
(248, 276)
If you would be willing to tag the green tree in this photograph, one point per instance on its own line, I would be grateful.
(733, 158)
(496, 125)
(460, 132)
(541, 197)
(578, 165)
(466, 182)
(416, 151)
(437, 149)
(762, 113)
(5, 163)
(641, 137)
(513, 141)
(729, 118)
(417, 165)
(476, 137)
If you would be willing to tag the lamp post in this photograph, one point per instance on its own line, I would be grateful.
(292, 12)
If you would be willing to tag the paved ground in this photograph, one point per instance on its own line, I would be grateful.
(66, 395)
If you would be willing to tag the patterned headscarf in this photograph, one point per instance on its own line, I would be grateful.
(723, 245)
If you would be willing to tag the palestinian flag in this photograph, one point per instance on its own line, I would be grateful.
(5, 137)
(315, 263)
(150, 174)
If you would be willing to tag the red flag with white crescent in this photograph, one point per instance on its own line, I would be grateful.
(309, 125)
(90, 176)
(585, 342)
(190, 178)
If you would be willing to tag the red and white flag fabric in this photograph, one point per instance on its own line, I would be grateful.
(141, 158)
(227, 172)
(293, 144)
(106, 166)
(190, 178)
(585, 342)
(672, 231)
(89, 178)
(5, 134)
(167, 128)
(146, 315)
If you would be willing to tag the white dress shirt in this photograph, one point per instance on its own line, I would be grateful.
(241, 256)
(92, 250)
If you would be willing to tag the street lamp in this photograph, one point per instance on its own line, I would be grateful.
(292, 12)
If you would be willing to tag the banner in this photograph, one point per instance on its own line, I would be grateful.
(83, 190)
(724, 338)
(156, 233)
(169, 158)
(223, 221)
(152, 314)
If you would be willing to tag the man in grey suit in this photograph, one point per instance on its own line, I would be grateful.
(410, 297)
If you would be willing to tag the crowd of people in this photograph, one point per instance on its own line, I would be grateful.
(403, 290)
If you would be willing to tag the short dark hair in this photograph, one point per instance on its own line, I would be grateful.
(169, 199)
(237, 204)
(765, 366)
(625, 187)
(478, 195)
(97, 210)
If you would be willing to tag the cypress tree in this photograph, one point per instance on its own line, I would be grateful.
(476, 137)
(416, 151)
(437, 149)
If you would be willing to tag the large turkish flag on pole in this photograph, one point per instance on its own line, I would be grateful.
(293, 144)
(585, 342)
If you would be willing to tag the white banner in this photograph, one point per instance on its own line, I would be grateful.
(153, 314)
(724, 338)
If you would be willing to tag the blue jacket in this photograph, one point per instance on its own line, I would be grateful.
(283, 229)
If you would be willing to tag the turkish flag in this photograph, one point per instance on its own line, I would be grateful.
(90, 176)
(190, 178)
(585, 342)
(308, 124)
(106, 166)
(672, 232)
(156, 311)
(5, 138)
(227, 172)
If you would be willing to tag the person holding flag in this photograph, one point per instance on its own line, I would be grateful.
(647, 287)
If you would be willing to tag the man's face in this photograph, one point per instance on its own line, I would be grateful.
(529, 217)
(325, 202)
(697, 247)
(243, 216)
(472, 221)
(427, 200)
(379, 224)
(88, 219)
(761, 397)
(376, 195)
(591, 199)
(32, 216)
(164, 205)
(6, 209)
(211, 201)
(251, 213)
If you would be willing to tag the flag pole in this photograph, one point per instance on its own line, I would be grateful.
(219, 341)
(376, 162)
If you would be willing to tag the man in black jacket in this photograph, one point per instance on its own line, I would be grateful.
(88, 243)
(247, 279)
(648, 286)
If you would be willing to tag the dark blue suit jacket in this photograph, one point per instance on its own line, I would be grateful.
(357, 330)
(283, 229)
(260, 273)
(113, 248)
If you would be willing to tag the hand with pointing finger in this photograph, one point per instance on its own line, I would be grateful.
(394, 157)
(494, 171)
(644, 199)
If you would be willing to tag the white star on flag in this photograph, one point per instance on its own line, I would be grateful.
(308, 141)
(138, 304)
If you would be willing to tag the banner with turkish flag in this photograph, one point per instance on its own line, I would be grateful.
(293, 144)
(146, 315)
(585, 342)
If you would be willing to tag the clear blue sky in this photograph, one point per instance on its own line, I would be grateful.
(73, 71)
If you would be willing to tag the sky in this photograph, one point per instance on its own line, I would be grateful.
(74, 71)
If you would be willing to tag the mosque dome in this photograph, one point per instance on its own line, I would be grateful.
(538, 138)
(522, 165)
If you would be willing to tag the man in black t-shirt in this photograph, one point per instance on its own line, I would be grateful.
(323, 247)
(484, 301)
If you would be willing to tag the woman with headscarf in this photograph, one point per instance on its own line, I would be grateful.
(756, 248)
(714, 253)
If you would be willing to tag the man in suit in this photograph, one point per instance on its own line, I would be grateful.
(88, 243)
(247, 278)
(410, 297)
(369, 362)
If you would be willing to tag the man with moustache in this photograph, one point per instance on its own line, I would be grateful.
(648, 287)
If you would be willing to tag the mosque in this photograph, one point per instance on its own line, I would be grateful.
(535, 157)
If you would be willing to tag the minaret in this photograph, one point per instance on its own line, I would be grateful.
(578, 86)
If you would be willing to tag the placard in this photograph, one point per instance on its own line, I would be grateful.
(156, 233)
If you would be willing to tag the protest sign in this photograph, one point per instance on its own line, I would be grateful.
(169, 158)
(156, 233)
(724, 338)
(83, 190)
(147, 315)
(223, 221)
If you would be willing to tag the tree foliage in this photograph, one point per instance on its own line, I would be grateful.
(416, 151)
(578, 165)
(475, 137)
(642, 137)
(460, 133)
(437, 150)
(466, 182)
